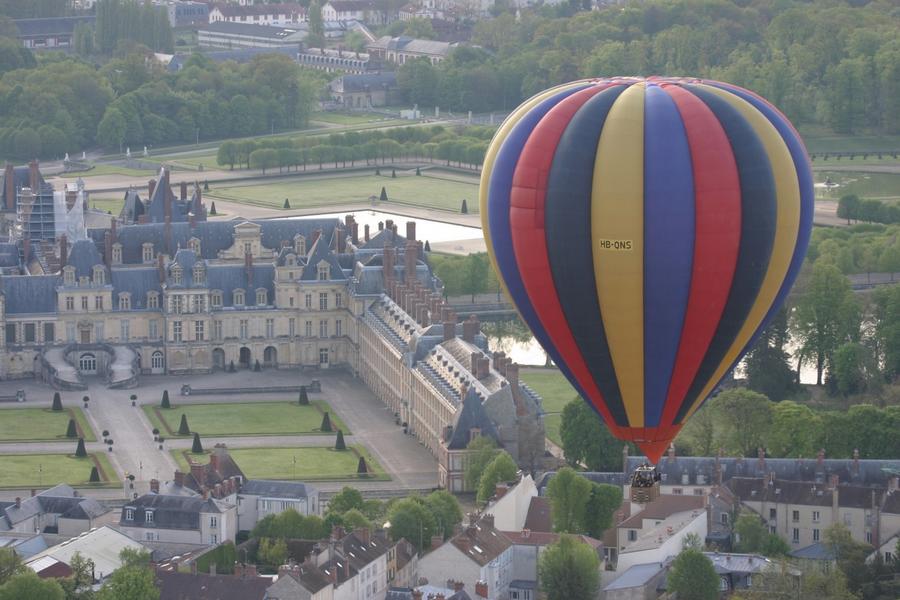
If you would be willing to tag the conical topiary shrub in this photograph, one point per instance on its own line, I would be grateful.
(197, 447)
(183, 428)
(464, 209)
(303, 400)
(165, 400)
(427, 246)
(95, 475)
(326, 423)
(287, 204)
(212, 208)
(362, 468)
(206, 185)
(57, 402)
(383, 196)
(418, 172)
(80, 452)
(72, 431)
(339, 441)
(393, 173)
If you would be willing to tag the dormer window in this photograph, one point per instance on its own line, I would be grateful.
(117, 253)
(152, 299)
(69, 275)
(248, 248)
(99, 275)
(238, 297)
(261, 297)
(147, 252)
(300, 244)
(177, 275)
(324, 272)
(216, 298)
(124, 301)
(129, 514)
(291, 260)
(194, 244)
(199, 274)
(148, 516)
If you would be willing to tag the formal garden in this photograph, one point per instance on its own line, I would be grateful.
(46, 470)
(43, 424)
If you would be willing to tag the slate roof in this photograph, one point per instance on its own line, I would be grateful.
(635, 576)
(817, 551)
(84, 255)
(133, 207)
(185, 586)
(136, 281)
(363, 82)
(276, 489)
(726, 563)
(321, 252)
(50, 26)
(481, 543)
(471, 416)
(169, 512)
(58, 500)
(232, 277)
(30, 294)
(9, 255)
(239, 55)
(249, 29)
(664, 507)
(799, 492)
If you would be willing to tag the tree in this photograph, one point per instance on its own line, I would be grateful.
(80, 452)
(502, 468)
(569, 570)
(197, 447)
(427, 246)
(383, 197)
(481, 451)
(326, 423)
(273, 552)
(605, 499)
(750, 533)
(112, 129)
(826, 315)
(57, 402)
(411, 519)
(475, 274)
(165, 400)
(227, 154)
(693, 577)
(569, 494)
(303, 399)
(745, 417)
(586, 439)
(887, 327)
(853, 369)
(72, 431)
(767, 368)
(850, 554)
(78, 586)
(264, 158)
(10, 564)
(339, 441)
(183, 428)
(347, 499)
(28, 585)
(796, 430)
(95, 475)
(848, 207)
(316, 37)
(445, 509)
(354, 519)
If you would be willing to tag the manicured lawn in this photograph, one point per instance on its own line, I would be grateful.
(820, 140)
(344, 118)
(881, 186)
(302, 193)
(256, 418)
(40, 424)
(295, 463)
(108, 203)
(110, 170)
(44, 470)
(555, 391)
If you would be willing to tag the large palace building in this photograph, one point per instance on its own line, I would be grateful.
(166, 291)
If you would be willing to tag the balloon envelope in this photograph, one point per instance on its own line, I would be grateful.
(646, 230)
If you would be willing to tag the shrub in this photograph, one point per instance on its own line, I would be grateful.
(72, 431)
(95, 475)
(383, 197)
(183, 428)
(212, 208)
(339, 441)
(286, 203)
(165, 400)
(57, 402)
(197, 447)
(362, 468)
(303, 400)
(326, 423)
(80, 452)
(464, 209)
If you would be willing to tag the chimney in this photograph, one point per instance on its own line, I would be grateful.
(354, 233)
(107, 248)
(248, 270)
(214, 462)
(481, 589)
(34, 176)
(380, 225)
(389, 224)
(63, 250)
(820, 459)
(179, 478)
(412, 251)
(855, 466)
(204, 493)
(364, 534)
(250, 571)
(197, 474)
(449, 325)
(10, 186)
(166, 182)
(151, 186)
(114, 232)
(154, 486)
(160, 268)
(500, 490)
(500, 362)
(471, 327)
(168, 232)
(217, 491)
(341, 240)
(484, 367)
(411, 230)
(183, 191)
(18, 502)
(833, 481)
(394, 229)
(625, 459)
(366, 232)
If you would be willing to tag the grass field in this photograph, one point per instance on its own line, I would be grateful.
(880, 186)
(108, 203)
(41, 424)
(110, 170)
(256, 418)
(41, 470)
(345, 118)
(304, 193)
(555, 391)
(818, 139)
(296, 463)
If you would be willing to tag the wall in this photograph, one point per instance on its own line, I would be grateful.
(671, 545)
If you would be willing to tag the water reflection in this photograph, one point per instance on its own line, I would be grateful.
(426, 229)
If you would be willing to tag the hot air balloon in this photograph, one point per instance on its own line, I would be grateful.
(646, 230)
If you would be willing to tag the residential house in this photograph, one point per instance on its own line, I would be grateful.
(819, 556)
(365, 90)
(173, 585)
(527, 549)
(402, 564)
(800, 511)
(480, 557)
(188, 520)
(59, 510)
(102, 546)
(25, 545)
(301, 582)
(511, 504)
(258, 498)
(366, 11)
(274, 14)
(230, 34)
(401, 49)
(53, 33)
(637, 582)
(658, 531)
(221, 476)
(743, 571)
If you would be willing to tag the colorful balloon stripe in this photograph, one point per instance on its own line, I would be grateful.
(646, 229)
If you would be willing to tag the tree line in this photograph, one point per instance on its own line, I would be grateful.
(833, 63)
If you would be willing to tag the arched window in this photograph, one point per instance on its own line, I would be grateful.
(87, 363)
(261, 297)
(157, 360)
(238, 297)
